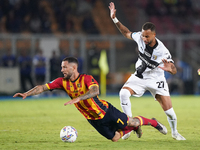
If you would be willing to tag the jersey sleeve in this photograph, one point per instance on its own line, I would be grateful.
(55, 84)
(136, 36)
(168, 56)
(90, 81)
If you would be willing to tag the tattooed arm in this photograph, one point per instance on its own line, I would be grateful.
(93, 91)
(34, 91)
(124, 30)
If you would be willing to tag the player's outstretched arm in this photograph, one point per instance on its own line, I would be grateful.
(34, 91)
(93, 91)
(124, 30)
(168, 66)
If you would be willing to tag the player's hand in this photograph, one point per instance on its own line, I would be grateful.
(112, 10)
(23, 95)
(167, 65)
(75, 100)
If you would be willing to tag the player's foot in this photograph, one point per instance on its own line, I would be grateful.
(177, 136)
(138, 132)
(126, 136)
(160, 127)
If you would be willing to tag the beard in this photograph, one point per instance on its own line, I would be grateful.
(68, 76)
(149, 43)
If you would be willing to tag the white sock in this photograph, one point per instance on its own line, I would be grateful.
(124, 95)
(171, 117)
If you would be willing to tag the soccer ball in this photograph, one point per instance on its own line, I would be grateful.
(68, 134)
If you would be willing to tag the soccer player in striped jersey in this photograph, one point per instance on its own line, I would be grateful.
(83, 90)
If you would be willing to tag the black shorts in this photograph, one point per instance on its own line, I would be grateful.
(112, 121)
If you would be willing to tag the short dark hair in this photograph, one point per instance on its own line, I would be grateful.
(149, 26)
(71, 60)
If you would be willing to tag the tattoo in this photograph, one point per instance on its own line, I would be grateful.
(37, 90)
(93, 91)
(45, 88)
(124, 30)
(133, 122)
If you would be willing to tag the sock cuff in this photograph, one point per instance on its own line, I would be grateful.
(140, 119)
(121, 132)
(171, 110)
(171, 114)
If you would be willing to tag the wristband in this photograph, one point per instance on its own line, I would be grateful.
(115, 20)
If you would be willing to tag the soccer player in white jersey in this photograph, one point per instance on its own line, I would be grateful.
(154, 59)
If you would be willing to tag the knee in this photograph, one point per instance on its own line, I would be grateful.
(124, 93)
(116, 137)
(115, 140)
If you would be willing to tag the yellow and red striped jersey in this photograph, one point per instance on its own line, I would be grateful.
(92, 108)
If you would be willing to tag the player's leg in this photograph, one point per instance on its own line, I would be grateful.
(116, 137)
(119, 120)
(124, 95)
(134, 86)
(140, 121)
(114, 124)
(120, 133)
(136, 122)
(102, 127)
(125, 132)
(166, 104)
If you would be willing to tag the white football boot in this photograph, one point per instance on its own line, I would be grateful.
(126, 136)
(178, 137)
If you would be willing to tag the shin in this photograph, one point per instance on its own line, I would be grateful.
(171, 117)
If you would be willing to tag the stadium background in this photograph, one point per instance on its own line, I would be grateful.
(83, 28)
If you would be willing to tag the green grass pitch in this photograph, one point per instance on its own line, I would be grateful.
(36, 124)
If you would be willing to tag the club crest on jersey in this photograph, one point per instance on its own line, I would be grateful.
(78, 85)
(154, 57)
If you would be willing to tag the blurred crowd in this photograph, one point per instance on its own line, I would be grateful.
(75, 16)
(46, 16)
(175, 16)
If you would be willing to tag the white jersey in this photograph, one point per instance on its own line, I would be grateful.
(160, 52)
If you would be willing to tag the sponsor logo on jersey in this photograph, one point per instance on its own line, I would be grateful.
(147, 54)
